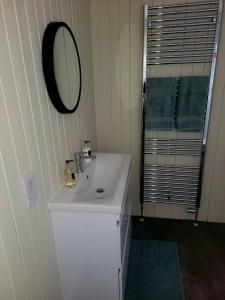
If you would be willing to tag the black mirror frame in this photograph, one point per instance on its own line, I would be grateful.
(48, 66)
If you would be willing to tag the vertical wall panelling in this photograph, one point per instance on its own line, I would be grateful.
(135, 94)
(125, 73)
(11, 252)
(13, 102)
(5, 283)
(97, 63)
(115, 74)
(213, 183)
(34, 136)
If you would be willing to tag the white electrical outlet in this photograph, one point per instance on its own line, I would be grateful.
(30, 189)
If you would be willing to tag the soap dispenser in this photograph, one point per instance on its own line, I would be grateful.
(87, 149)
(69, 176)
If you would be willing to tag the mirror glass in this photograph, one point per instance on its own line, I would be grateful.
(66, 68)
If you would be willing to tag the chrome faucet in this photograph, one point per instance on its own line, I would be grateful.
(79, 157)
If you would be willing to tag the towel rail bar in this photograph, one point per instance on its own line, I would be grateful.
(173, 146)
(181, 31)
(167, 185)
(183, 5)
(189, 18)
(194, 37)
(174, 139)
(182, 12)
(168, 177)
(159, 200)
(181, 50)
(179, 56)
(181, 25)
(179, 62)
(180, 45)
(169, 167)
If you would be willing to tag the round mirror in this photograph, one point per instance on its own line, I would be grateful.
(61, 67)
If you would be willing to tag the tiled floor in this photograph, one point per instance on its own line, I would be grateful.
(201, 250)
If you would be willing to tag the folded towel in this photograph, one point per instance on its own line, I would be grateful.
(191, 103)
(160, 103)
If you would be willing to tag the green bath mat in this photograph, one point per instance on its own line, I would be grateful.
(154, 271)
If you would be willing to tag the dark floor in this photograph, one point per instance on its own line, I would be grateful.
(201, 250)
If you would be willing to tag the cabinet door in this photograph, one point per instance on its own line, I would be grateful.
(124, 223)
(125, 257)
(88, 255)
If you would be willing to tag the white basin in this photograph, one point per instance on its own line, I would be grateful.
(100, 188)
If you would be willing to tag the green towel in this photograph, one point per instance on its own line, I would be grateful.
(191, 103)
(160, 103)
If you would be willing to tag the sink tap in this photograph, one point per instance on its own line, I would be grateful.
(79, 157)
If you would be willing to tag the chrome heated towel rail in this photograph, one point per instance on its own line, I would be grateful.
(186, 33)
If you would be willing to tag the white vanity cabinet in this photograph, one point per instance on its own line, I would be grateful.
(92, 250)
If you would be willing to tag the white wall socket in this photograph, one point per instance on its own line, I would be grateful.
(30, 188)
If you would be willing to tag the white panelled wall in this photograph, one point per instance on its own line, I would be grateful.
(117, 27)
(33, 136)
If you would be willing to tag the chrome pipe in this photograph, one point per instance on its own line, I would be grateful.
(171, 171)
(163, 146)
(171, 149)
(181, 25)
(181, 45)
(183, 5)
(182, 38)
(172, 140)
(169, 153)
(190, 197)
(169, 184)
(179, 62)
(170, 188)
(171, 143)
(167, 177)
(184, 18)
(182, 12)
(159, 200)
(170, 146)
(169, 166)
(182, 50)
(181, 31)
(168, 174)
(171, 194)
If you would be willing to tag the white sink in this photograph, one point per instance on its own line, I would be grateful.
(100, 188)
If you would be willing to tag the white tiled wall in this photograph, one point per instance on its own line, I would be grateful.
(34, 136)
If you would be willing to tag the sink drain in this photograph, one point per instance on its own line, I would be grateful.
(100, 190)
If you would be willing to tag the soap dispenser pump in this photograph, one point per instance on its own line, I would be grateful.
(69, 176)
